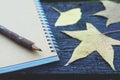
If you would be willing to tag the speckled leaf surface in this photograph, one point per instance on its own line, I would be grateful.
(93, 40)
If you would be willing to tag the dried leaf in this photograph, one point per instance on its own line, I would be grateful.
(93, 40)
(112, 12)
(69, 17)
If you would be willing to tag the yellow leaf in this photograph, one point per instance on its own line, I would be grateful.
(112, 12)
(69, 17)
(93, 40)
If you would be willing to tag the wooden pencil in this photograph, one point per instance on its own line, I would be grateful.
(18, 39)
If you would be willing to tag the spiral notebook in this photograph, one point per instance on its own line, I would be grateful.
(26, 18)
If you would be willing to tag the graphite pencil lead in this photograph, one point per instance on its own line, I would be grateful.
(36, 48)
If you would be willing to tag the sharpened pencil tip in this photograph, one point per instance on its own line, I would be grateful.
(34, 47)
(40, 50)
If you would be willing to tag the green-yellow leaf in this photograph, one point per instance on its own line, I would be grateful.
(93, 40)
(112, 12)
(69, 17)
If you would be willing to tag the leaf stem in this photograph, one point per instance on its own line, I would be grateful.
(56, 10)
(111, 32)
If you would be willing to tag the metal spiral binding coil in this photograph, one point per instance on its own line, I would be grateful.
(47, 30)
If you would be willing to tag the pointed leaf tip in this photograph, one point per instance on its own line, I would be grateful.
(89, 26)
(66, 64)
